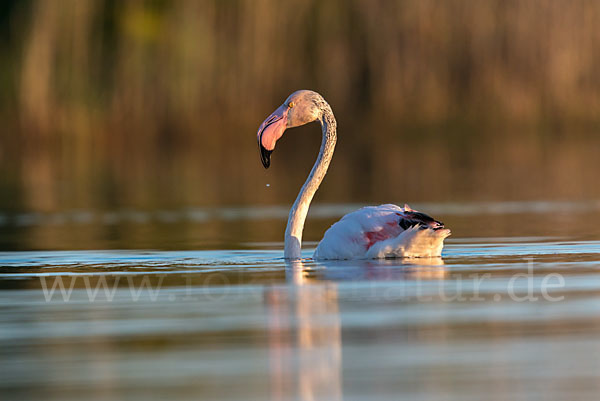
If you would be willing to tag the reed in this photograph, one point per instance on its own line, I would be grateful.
(109, 103)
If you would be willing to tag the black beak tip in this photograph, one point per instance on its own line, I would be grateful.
(265, 156)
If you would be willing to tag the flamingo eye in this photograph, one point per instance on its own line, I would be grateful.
(291, 104)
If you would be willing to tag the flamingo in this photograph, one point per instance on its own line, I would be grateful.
(372, 232)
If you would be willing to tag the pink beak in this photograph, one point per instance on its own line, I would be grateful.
(270, 131)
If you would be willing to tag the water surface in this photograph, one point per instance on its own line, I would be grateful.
(509, 312)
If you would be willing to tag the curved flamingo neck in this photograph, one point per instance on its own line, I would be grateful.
(298, 212)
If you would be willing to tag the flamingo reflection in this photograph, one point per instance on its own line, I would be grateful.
(305, 338)
(305, 341)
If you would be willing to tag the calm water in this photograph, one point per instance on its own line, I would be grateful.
(511, 311)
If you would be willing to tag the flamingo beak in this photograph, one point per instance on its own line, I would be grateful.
(265, 156)
(270, 131)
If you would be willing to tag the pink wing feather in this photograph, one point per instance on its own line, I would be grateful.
(356, 232)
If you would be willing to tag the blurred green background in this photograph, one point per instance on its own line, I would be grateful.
(112, 105)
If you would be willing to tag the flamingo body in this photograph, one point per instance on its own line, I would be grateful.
(375, 232)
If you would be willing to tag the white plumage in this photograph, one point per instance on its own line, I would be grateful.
(374, 232)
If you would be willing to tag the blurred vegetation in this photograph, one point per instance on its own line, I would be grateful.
(109, 104)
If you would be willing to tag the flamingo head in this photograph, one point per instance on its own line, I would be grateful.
(301, 107)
